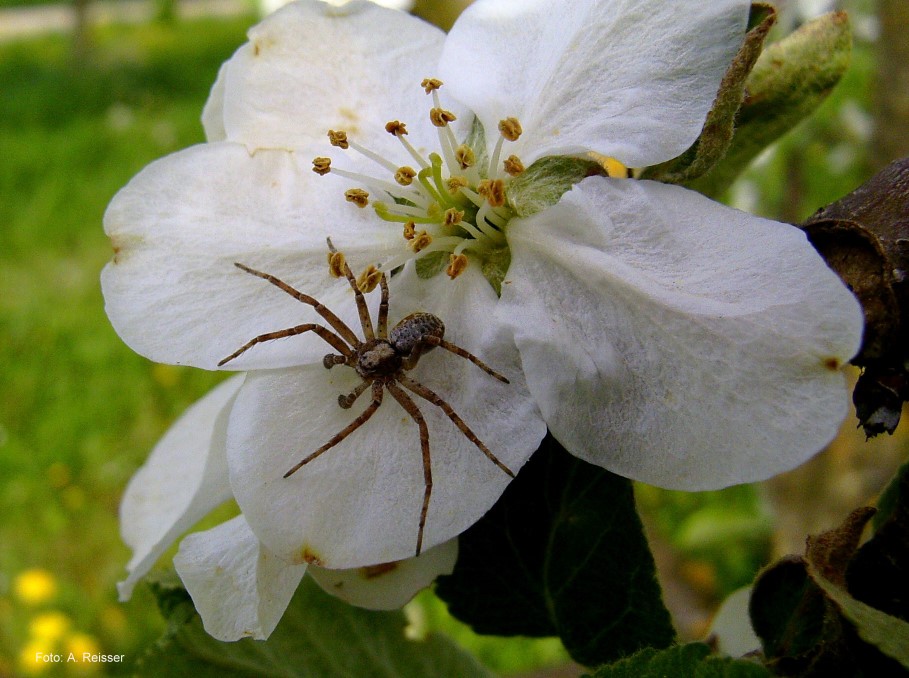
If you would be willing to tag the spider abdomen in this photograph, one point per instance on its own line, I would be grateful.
(413, 331)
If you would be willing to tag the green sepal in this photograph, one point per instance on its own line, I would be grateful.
(693, 660)
(431, 265)
(717, 133)
(562, 553)
(476, 139)
(789, 81)
(319, 635)
(543, 183)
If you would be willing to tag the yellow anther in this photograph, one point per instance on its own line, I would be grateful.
(455, 184)
(510, 128)
(430, 84)
(452, 217)
(338, 139)
(336, 264)
(465, 156)
(440, 117)
(615, 169)
(513, 165)
(369, 279)
(321, 166)
(358, 197)
(456, 265)
(405, 175)
(396, 127)
(420, 241)
(493, 190)
(410, 230)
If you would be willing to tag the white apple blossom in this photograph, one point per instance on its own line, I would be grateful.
(656, 333)
(240, 588)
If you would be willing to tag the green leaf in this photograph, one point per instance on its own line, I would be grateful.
(789, 81)
(561, 553)
(318, 637)
(691, 661)
(717, 133)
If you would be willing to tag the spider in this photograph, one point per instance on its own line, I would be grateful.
(381, 361)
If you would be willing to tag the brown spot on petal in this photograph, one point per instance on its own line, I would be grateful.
(374, 571)
(309, 556)
(832, 364)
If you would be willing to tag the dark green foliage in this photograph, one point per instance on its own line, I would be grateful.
(684, 661)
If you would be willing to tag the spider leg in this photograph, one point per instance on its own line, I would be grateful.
(362, 308)
(426, 394)
(457, 350)
(377, 393)
(326, 334)
(320, 308)
(383, 309)
(347, 401)
(411, 407)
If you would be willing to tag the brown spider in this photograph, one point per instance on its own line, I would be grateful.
(381, 361)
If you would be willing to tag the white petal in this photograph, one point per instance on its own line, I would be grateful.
(311, 67)
(359, 503)
(391, 585)
(632, 79)
(239, 587)
(172, 291)
(676, 341)
(213, 112)
(184, 478)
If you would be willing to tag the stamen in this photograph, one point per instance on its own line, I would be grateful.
(321, 166)
(336, 264)
(414, 196)
(455, 184)
(440, 117)
(420, 241)
(430, 84)
(513, 165)
(397, 129)
(405, 175)
(457, 263)
(465, 156)
(358, 197)
(338, 139)
(493, 190)
(510, 128)
(369, 279)
(486, 214)
(452, 217)
(409, 230)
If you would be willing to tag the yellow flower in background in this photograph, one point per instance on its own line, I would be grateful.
(49, 627)
(35, 586)
(78, 645)
(30, 662)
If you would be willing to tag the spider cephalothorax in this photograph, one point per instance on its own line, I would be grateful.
(380, 360)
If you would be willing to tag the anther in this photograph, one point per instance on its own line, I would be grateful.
(321, 166)
(465, 156)
(410, 230)
(430, 84)
(338, 139)
(420, 241)
(440, 117)
(396, 128)
(456, 265)
(510, 128)
(336, 264)
(369, 279)
(405, 175)
(452, 217)
(358, 197)
(455, 184)
(493, 190)
(513, 165)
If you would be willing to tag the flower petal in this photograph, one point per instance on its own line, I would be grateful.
(388, 586)
(311, 67)
(213, 111)
(631, 79)
(172, 291)
(360, 502)
(239, 587)
(184, 478)
(676, 341)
